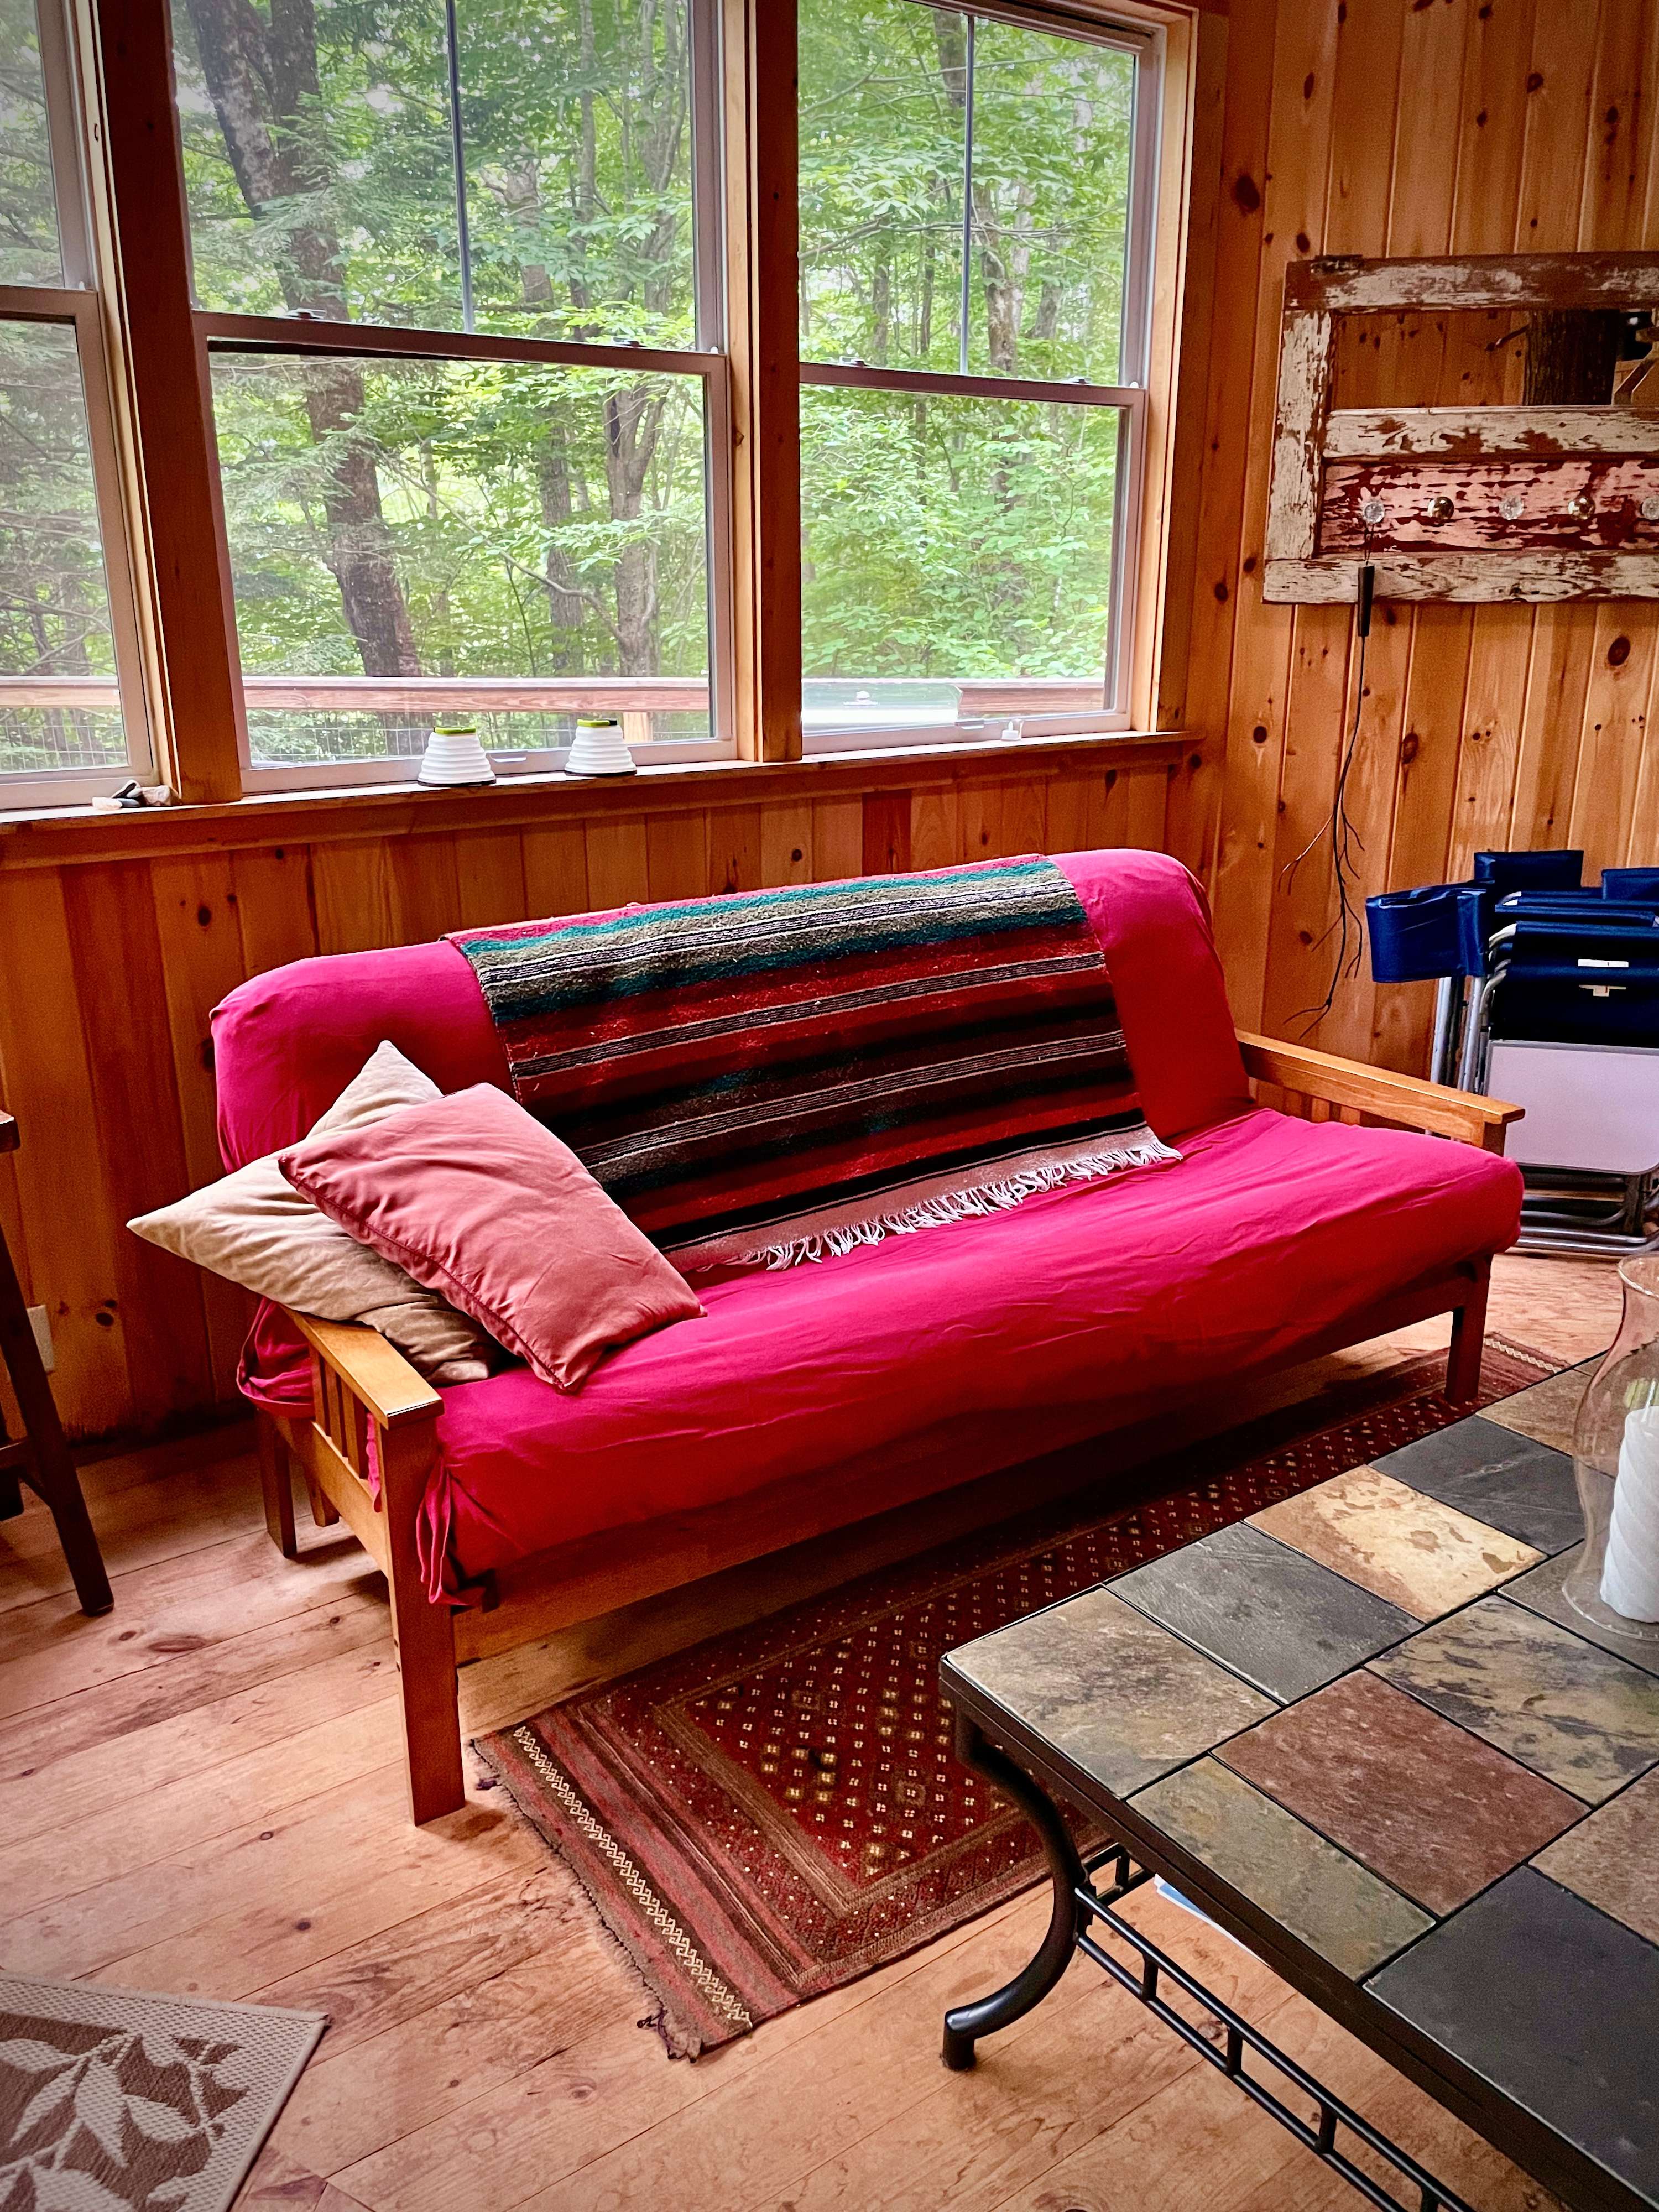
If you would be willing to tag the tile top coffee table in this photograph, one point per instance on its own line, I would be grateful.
(1366, 1734)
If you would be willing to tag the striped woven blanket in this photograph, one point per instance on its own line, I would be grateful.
(777, 1075)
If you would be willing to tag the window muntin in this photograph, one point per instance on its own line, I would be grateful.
(975, 227)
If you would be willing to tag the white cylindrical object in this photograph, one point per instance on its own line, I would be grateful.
(599, 749)
(454, 757)
(1630, 1572)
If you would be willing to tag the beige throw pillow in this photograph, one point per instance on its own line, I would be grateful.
(254, 1228)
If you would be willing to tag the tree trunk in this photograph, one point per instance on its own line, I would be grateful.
(264, 85)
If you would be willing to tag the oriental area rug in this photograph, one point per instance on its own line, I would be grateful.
(778, 1811)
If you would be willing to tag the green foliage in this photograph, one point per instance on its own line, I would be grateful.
(437, 519)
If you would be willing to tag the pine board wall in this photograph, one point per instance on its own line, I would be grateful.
(1404, 127)
(112, 966)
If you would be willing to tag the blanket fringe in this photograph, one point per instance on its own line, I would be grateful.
(946, 1207)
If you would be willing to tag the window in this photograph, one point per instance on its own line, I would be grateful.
(976, 222)
(453, 261)
(72, 712)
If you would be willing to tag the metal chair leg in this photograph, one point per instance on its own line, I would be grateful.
(965, 2024)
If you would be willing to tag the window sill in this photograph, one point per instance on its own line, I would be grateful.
(41, 837)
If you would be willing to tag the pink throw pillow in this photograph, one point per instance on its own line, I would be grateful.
(473, 1197)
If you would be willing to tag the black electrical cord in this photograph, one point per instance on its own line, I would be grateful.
(1345, 925)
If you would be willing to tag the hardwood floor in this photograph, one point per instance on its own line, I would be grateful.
(188, 1784)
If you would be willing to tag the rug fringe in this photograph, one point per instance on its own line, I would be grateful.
(966, 1205)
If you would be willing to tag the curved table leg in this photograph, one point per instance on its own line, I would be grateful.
(965, 2024)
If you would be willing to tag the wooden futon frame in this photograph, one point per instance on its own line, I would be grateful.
(362, 1383)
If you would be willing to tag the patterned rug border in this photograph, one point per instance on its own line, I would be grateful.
(718, 1959)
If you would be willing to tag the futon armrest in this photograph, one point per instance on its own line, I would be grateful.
(1378, 1092)
(374, 1372)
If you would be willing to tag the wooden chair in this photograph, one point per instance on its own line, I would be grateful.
(40, 1457)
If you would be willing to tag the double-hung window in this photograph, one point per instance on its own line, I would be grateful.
(73, 716)
(976, 190)
(457, 264)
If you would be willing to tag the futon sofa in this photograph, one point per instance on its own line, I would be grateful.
(809, 1398)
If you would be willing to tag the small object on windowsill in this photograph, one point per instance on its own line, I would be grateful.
(131, 794)
(599, 749)
(453, 757)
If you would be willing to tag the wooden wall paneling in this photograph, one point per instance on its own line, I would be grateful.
(786, 844)
(1372, 791)
(489, 878)
(734, 848)
(885, 844)
(1108, 813)
(202, 961)
(837, 839)
(1298, 165)
(1148, 804)
(1026, 814)
(426, 888)
(1494, 707)
(67, 1251)
(1235, 321)
(275, 910)
(935, 828)
(1621, 662)
(1556, 141)
(1547, 767)
(355, 895)
(1202, 151)
(618, 859)
(1068, 815)
(677, 855)
(1493, 123)
(139, 1161)
(556, 869)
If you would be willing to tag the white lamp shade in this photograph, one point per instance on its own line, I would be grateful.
(597, 748)
(454, 757)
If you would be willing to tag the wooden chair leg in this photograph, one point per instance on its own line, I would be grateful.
(1469, 1341)
(425, 1637)
(50, 1471)
(276, 1481)
(322, 1510)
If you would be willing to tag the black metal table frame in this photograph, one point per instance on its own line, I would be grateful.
(985, 1736)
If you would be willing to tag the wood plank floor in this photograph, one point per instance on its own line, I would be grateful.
(194, 1789)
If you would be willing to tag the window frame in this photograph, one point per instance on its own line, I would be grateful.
(218, 332)
(78, 303)
(1146, 42)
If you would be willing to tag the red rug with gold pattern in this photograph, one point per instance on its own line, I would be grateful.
(778, 1811)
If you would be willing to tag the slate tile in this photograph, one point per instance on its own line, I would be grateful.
(1553, 2002)
(1541, 1591)
(1610, 1859)
(1585, 1720)
(1413, 1550)
(1546, 1411)
(1111, 1690)
(1321, 1895)
(1281, 1620)
(1432, 1808)
(1508, 1482)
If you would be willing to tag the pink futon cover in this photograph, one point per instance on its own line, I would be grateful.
(970, 1346)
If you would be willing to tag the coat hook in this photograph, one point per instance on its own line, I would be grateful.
(1581, 507)
(1512, 507)
(1441, 509)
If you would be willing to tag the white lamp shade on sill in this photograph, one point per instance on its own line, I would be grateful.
(455, 756)
(597, 748)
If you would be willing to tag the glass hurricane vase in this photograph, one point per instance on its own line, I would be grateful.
(1616, 1580)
